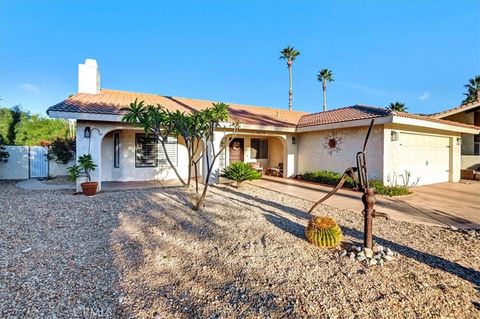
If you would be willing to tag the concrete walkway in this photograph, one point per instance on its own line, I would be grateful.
(34, 184)
(416, 208)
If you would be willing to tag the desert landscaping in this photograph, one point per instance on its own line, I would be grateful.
(146, 254)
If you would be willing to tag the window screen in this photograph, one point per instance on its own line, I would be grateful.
(145, 151)
(171, 145)
(116, 150)
(259, 148)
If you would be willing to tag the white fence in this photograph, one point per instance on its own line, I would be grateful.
(27, 162)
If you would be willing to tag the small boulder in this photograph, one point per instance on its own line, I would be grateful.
(377, 248)
(368, 252)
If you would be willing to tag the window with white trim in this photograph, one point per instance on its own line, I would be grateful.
(116, 150)
(146, 151)
(259, 148)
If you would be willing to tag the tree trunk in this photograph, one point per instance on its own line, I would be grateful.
(324, 95)
(290, 88)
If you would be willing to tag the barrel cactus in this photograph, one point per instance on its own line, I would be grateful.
(323, 232)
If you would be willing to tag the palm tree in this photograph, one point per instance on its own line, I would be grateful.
(398, 107)
(289, 54)
(473, 90)
(324, 76)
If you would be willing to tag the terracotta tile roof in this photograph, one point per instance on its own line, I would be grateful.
(457, 109)
(344, 114)
(111, 101)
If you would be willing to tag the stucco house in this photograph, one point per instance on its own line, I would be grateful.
(467, 114)
(428, 148)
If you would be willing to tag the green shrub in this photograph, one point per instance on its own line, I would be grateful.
(240, 172)
(62, 150)
(332, 178)
(327, 177)
(382, 189)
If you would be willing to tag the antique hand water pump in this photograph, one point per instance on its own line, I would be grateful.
(368, 197)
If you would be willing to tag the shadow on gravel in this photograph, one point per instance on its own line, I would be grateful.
(468, 274)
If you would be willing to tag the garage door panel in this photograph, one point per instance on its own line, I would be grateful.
(426, 157)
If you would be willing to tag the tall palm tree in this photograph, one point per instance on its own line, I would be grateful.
(473, 90)
(398, 107)
(289, 54)
(324, 76)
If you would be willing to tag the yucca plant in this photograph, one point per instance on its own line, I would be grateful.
(240, 172)
(323, 232)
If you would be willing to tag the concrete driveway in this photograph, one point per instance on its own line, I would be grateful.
(445, 205)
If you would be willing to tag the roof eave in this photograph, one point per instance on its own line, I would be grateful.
(434, 125)
(85, 116)
(455, 110)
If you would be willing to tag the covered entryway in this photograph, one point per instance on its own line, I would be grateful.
(425, 157)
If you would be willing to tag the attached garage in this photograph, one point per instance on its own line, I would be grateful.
(426, 157)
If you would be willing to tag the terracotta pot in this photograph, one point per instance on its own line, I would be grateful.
(89, 188)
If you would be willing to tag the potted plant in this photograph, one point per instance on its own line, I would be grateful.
(83, 168)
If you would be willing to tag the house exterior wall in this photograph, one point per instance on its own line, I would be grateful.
(313, 153)
(99, 149)
(471, 162)
(392, 150)
(127, 170)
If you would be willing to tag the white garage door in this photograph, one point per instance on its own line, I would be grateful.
(426, 157)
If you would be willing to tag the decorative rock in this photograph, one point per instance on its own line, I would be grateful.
(360, 258)
(372, 262)
(377, 256)
(361, 254)
(358, 248)
(389, 252)
(388, 258)
(352, 255)
(343, 253)
(381, 262)
(377, 248)
(368, 252)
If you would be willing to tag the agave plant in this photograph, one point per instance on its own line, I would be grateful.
(323, 232)
(240, 172)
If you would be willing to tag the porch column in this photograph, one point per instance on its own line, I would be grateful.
(290, 169)
(95, 149)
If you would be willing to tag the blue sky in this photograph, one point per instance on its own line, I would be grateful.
(417, 52)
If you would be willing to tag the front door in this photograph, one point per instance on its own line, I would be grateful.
(236, 150)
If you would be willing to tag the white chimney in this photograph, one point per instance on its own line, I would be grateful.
(88, 77)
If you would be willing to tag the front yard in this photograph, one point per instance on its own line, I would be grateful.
(144, 254)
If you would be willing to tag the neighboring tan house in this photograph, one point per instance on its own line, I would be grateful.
(467, 114)
(427, 148)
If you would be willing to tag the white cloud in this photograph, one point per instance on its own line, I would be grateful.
(30, 87)
(425, 95)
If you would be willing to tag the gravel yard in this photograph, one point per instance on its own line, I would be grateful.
(144, 254)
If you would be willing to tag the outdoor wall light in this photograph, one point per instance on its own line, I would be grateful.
(394, 135)
(294, 140)
(88, 132)
(459, 141)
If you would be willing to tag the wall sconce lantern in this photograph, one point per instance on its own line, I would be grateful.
(394, 135)
(87, 133)
(459, 141)
(294, 140)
